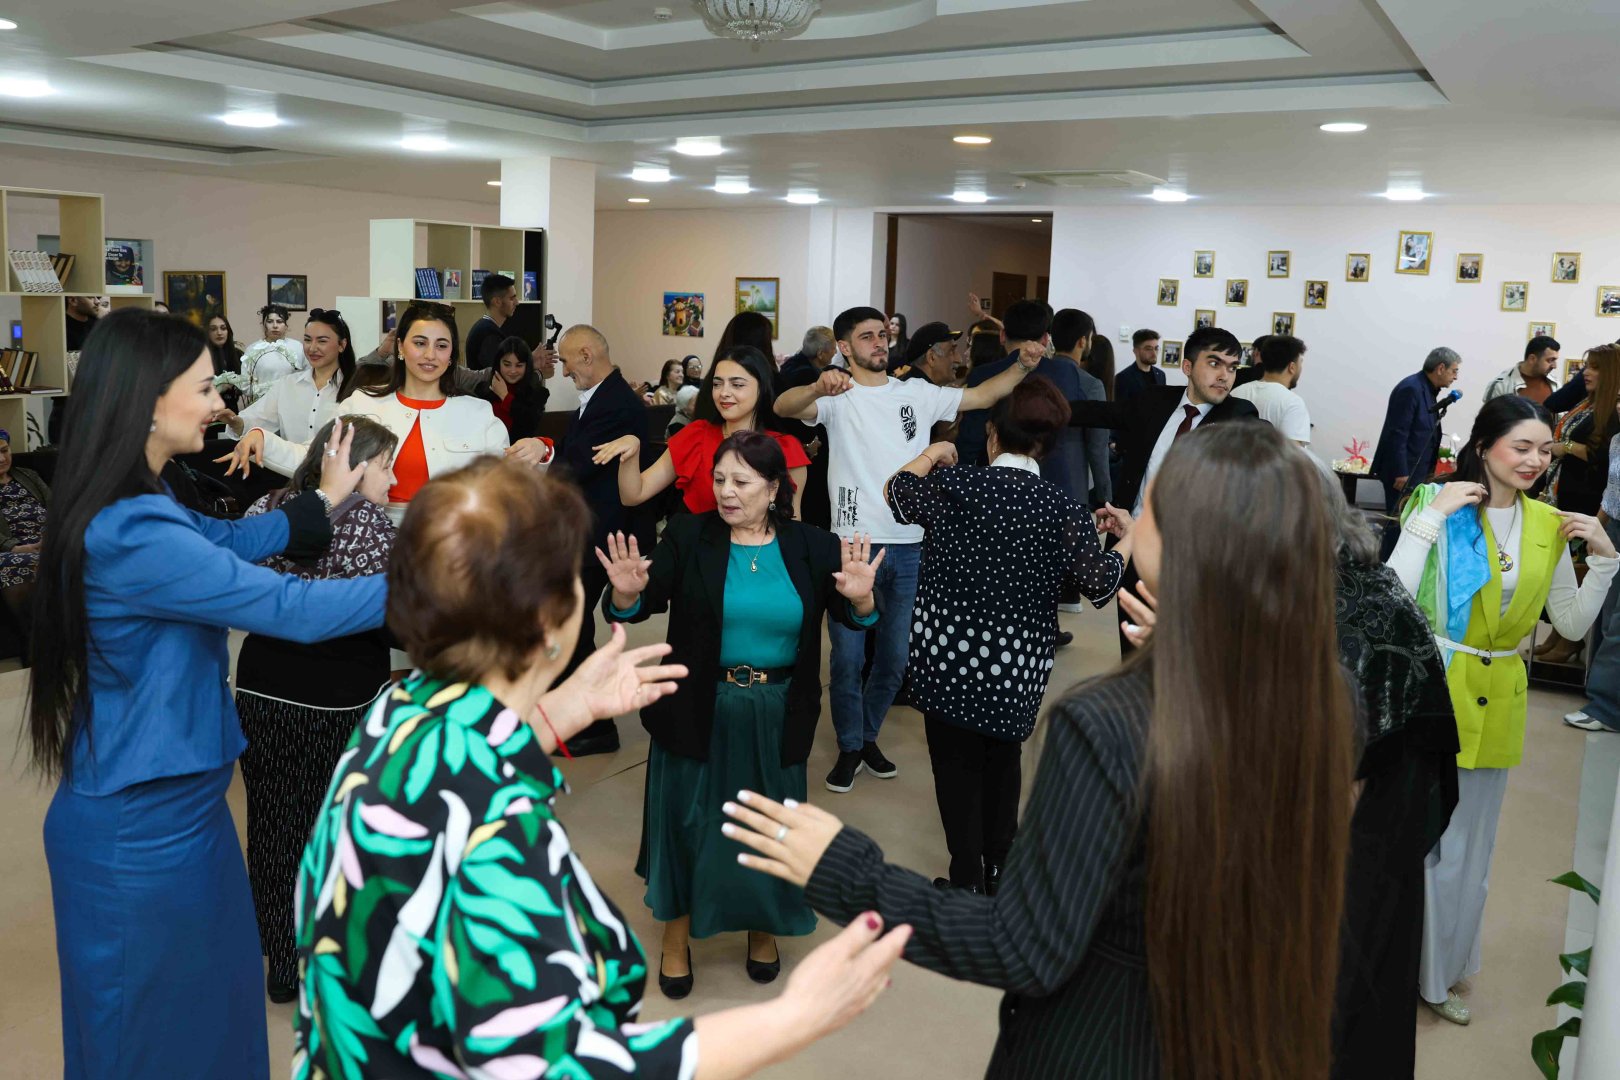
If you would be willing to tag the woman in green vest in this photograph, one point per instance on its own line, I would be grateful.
(1483, 559)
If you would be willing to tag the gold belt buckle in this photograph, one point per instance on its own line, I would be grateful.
(753, 676)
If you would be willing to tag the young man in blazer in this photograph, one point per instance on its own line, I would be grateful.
(608, 409)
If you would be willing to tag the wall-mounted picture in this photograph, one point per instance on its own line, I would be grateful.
(1357, 266)
(1566, 267)
(1237, 292)
(1316, 294)
(1608, 303)
(1412, 252)
(683, 314)
(126, 262)
(390, 316)
(1203, 264)
(1203, 317)
(1246, 354)
(1169, 291)
(1572, 369)
(1543, 329)
(195, 295)
(1282, 322)
(1170, 354)
(291, 291)
(759, 294)
(1470, 267)
(1278, 263)
(1515, 295)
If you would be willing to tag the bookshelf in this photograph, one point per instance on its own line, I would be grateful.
(82, 228)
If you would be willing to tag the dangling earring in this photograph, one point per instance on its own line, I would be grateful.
(553, 651)
(153, 428)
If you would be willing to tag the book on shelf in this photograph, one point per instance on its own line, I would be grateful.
(451, 281)
(478, 277)
(34, 271)
(427, 284)
(531, 285)
(17, 370)
(62, 266)
(72, 365)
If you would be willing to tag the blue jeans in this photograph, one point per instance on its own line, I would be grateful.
(1603, 674)
(858, 710)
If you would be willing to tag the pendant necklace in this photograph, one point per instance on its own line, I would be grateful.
(1503, 559)
(753, 563)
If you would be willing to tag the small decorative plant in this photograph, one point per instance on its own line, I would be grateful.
(1546, 1045)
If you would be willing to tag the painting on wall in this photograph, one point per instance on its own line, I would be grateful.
(1608, 304)
(1470, 267)
(1412, 252)
(1572, 370)
(127, 262)
(1543, 329)
(1566, 269)
(1515, 295)
(683, 314)
(1316, 294)
(1282, 323)
(1278, 263)
(1357, 266)
(1169, 291)
(759, 294)
(1237, 292)
(195, 295)
(291, 291)
(1170, 354)
(1203, 264)
(1246, 354)
(1203, 317)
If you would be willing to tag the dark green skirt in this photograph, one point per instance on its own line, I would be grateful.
(689, 867)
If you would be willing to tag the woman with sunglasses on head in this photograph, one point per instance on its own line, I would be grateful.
(271, 357)
(741, 397)
(276, 429)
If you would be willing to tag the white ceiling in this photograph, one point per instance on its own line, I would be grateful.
(1476, 100)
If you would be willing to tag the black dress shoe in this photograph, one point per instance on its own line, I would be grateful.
(944, 885)
(678, 986)
(992, 878)
(601, 737)
(1064, 639)
(280, 992)
(761, 972)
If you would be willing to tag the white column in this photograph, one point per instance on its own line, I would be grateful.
(848, 249)
(559, 196)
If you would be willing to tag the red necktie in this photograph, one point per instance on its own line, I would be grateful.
(1187, 421)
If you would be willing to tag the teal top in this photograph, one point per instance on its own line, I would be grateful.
(763, 609)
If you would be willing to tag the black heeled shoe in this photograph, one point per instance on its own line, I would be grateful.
(678, 986)
(992, 878)
(760, 972)
(280, 992)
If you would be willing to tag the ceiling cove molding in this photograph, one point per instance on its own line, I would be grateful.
(906, 16)
(1242, 46)
(124, 145)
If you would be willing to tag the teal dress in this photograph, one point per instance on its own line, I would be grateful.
(689, 867)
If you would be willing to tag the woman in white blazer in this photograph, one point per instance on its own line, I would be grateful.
(297, 405)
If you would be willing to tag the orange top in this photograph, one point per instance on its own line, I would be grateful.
(410, 464)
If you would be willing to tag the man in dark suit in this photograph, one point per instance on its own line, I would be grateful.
(1407, 445)
(801, 369)
(1149, 423)
(608, 409)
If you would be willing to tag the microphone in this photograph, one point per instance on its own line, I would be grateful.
(1446, 402)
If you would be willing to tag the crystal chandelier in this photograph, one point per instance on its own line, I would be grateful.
(757, 20)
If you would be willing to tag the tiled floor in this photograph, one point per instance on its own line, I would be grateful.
(926, 1026)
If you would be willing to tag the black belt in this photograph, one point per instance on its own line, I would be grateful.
(747, 675)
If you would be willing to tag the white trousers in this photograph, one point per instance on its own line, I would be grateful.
(1456, 877)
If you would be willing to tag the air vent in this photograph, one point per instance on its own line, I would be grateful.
(1093, 179)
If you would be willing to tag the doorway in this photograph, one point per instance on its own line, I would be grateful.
(1005, 291)
(936, 260)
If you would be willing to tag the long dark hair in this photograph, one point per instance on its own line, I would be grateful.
(1100, 363)
(346, 359)
(129, 360)
(1495, 419)
(764, 455)
(530, 384)
(226, 357)
(752, 361)
(745, 328)
(1247, 807)
(417, 312)
(370, 439)
(1606, 359)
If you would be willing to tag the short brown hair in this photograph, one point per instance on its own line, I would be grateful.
(484, 568)
(1029, 419)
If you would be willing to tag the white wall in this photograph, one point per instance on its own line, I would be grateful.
(1108, 262)
(941, 260)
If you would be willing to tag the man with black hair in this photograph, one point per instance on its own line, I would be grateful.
(1529, 377)
(500, 297)
(1144, 371)
(1273, 395)
(875, 425)
(1254, 370)
(1027, 322)
(1087, 450)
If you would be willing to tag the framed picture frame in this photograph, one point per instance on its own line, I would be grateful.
(1282, 324)
(1316, 295)
(761, 295)
(1279, 263)
(1170, 354)
(1169, 292)
(1566, 267)
(1237, 292)
(1204, 264)
(1203, 317)
(195, 295)
(291, 291)
(683, 314)
(1572, 369)
(1608, 301)
(1357, 266)
(1542, 329)
(1470, 267)
(1413, 250)
(1515, 295)
(1246, 354)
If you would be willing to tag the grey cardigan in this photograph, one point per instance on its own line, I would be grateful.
(31, 482)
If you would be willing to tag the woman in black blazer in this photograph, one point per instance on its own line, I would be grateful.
(747, 589)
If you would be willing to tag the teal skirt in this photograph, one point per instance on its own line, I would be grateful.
(689, 867)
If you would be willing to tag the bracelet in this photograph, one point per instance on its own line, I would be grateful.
(326, 500)
(546, 720)
(1423, 530)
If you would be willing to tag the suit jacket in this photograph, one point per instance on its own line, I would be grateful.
(688, 578)
(1406, 445)
(614, 411)
(1137, 424)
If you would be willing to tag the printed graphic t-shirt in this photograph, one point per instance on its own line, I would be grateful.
(871, 432)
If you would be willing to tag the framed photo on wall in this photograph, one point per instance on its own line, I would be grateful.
(1278, 263)
(760, 294)
(195, 295)
(1282, 323)
(1246, 354)
(291, 291)
(1316, 294)
(1608, 302)
(1203, 317)
(1357, 266)
(1572, 369)
(1470, 268)
(1412, 251)
(1515, 295)
(1169, 291)
(1204, 264)
(1237, 292)
(1170, 354)
(1543, 329)
(683, 314)
(1566, 268)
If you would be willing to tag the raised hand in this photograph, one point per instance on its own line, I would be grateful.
(757, 823)
(1030, 354)
(613, 681)
(535, 452)
(859, 569)
(1458, 494)
(249, 452)
(338, 478)
(626, 569)
(1584, 527)
(842, 978)
(942, 454)
(620, 449)
(832, 383)
(1113, 521)
(1141, 613)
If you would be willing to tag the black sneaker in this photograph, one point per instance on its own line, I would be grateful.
(876, 763)
(842, 777)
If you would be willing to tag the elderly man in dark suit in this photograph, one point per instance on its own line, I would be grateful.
(608, 409)
(1408, 443)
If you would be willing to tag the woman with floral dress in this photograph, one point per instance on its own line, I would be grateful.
(271, 357)
(23, 498)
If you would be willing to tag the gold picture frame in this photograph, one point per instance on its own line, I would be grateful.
(1572, 369)
(1316, 295)
(1566, 268)
(1542, 329)
(1413, 251)
(1279, 264)
(1169, 291)
(1239, 288)
(1608, 301)
(1200, 315)
(1470, 267)
(1357, 266)
(1170, 353)
(1202, 267)
(1515, 296)
(1282, 323)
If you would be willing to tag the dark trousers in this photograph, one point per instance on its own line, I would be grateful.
(1392, 527)
(594, 579)
(976, 783)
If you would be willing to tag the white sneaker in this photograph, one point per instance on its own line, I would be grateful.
(1584, 722)
(1072, 609)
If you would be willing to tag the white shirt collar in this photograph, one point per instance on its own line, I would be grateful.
(1186, 399)
(1017, 461)
(586, 395)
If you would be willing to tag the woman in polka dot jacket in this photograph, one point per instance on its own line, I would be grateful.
(999, 543)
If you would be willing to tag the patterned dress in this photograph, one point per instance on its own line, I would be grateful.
(445, 926)
(26, 517)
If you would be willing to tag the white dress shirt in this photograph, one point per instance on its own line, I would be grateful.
(265, 362)
(1162, 447)
(585, 397)
(290, 413)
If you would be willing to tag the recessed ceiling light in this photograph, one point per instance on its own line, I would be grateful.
(427, 143)
(1405, 194)
(7, 24)
(699, 146)
(1346, 127)
(650, 174)
(249, 119)
(970, 196)
(732, 187)
(802, 198)
(24, 86)
(1162, 194)
(972, 140)
(638, 200)
(493, 183)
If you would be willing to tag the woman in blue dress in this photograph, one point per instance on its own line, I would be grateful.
(131, 710)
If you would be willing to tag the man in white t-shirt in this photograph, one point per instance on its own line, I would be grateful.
(1281, 358)
(875, 425)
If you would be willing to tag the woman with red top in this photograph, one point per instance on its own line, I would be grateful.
(515, 391)
(740, 397)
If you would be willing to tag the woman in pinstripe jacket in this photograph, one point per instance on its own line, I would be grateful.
(1171, 906)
